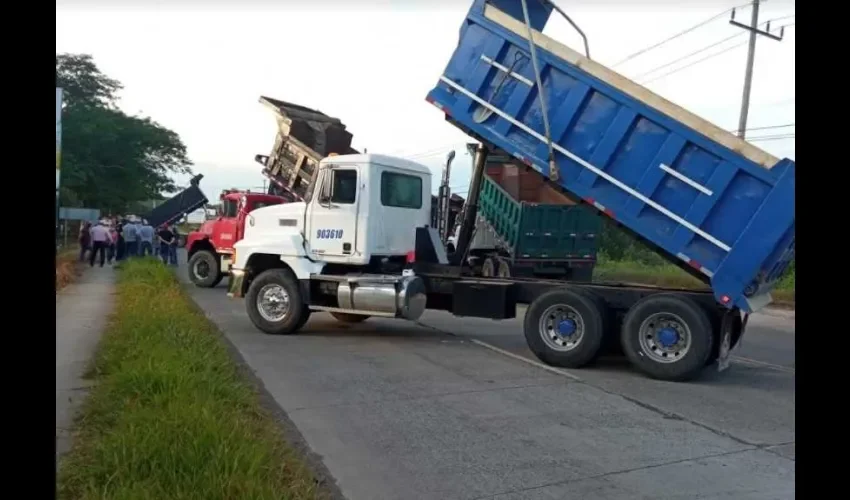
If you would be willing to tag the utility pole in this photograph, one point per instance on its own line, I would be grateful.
(751, 53)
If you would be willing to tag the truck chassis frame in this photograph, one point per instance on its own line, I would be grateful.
(655, 327)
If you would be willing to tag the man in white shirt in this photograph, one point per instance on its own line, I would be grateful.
(100, 239)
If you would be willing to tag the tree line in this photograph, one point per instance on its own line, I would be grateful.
(110, 160)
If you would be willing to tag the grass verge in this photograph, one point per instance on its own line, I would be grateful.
(170, 415)
(669, 275)
(67, 266)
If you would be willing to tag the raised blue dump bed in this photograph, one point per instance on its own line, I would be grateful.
(698, 193)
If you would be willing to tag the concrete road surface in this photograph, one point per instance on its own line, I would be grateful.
(457, 409)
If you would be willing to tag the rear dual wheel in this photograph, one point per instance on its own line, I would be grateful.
(566, 327)
(668, 337)
(496, 267)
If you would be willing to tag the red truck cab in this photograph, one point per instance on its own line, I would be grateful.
(210, 247)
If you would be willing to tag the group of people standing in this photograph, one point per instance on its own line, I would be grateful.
(118, 239)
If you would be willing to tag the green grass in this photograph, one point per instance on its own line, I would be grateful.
(668, 275)
(170, 415)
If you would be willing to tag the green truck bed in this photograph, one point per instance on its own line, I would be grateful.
(541, 232)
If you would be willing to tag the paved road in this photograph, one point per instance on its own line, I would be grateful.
(407, 411)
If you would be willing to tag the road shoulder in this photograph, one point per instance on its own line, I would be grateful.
(82, 314)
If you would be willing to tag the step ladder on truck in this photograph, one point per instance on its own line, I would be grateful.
(715, 205)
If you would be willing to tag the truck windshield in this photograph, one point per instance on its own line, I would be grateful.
(229, 208)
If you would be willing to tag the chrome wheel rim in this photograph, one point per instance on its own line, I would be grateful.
(561, 327)
(273, 303)
(665, 338)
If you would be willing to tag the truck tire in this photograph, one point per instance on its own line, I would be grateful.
(274, 302)
(488, 268)
(305, 316)
(503, 268)
(204, 269)
(350, 318)
(565, 328)
(667, 336)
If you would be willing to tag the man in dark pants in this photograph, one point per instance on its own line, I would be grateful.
(119, 243)
(175, 244)
(165, 237)
(100, 240)
(85, 240)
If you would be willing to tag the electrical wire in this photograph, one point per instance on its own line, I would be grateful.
(715, 44)
(777, 137)
(712, 45)
(766, 127)
(677, 35)
(710, 56)
(701, 60)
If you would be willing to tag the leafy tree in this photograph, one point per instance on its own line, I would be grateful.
(83, 83)
(110, 160)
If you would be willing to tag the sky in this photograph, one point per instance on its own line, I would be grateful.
(199, 68)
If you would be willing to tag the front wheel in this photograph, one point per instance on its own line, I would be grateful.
(274, 303)
(667, 336)
(204, 269)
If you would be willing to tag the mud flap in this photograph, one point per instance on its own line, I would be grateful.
(725, 350)
(727, 329)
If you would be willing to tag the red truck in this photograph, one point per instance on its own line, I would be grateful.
(211, 246)
(304, 137)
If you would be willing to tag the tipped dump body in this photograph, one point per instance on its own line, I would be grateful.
(704, 198)
(178, 206)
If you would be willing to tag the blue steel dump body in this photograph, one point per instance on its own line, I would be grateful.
(700, 195)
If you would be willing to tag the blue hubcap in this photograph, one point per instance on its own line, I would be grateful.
(668, 337)
(566, 328)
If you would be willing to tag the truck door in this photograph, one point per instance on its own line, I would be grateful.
(224, 229)
(332, 225)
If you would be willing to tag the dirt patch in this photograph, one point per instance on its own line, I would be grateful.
(67, 267)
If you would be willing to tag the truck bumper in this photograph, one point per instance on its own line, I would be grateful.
(235, 279)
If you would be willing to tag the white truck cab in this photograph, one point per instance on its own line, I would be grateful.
(363, 206)
(362, 215)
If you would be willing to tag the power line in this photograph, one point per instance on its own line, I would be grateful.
(782, 18)
(766, 127)
(710, 56)
(703, 49)
(677, 35)
(715, 44)
(776, 137)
